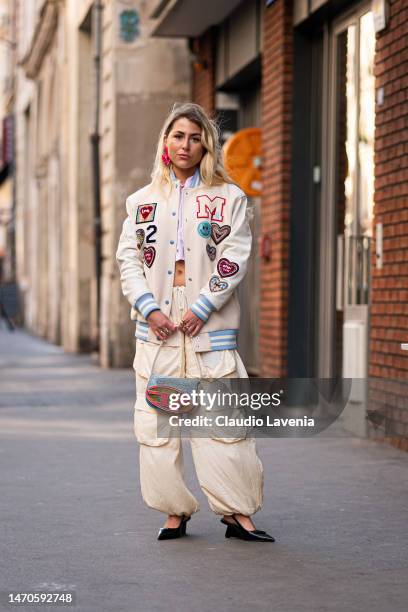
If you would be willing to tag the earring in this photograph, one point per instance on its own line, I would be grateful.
(165, 157)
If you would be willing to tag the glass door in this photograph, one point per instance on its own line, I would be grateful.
(347, 197)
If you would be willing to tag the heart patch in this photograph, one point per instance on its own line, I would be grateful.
(219, 232)
(211, 252)
(145, 213)
(139, 237)
(226, 267)
(149, 254)
(216, 284)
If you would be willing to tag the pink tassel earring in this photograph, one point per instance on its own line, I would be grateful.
(165, 157)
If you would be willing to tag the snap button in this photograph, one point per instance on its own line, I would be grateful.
(167, 302)
(173, 213)
(168, 271)
(171, 241)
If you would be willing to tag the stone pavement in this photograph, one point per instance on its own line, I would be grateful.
(71, 515)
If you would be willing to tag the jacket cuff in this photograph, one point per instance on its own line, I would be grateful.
(146, 304)
(202, 308)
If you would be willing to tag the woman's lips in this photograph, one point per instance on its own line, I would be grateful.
(182, 156)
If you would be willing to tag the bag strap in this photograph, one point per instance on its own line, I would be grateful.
(182, 357)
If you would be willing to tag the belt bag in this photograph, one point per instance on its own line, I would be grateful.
(163, 392)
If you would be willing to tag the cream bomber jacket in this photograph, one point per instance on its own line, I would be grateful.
(217, 241)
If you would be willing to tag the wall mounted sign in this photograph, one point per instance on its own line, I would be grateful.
(242, 157)
(380, 10)
(129, 25)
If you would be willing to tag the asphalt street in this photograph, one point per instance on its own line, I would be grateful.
(72, 517)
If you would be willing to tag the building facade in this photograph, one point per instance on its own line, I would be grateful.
(6, 139)
(92, 91)
(327, 83)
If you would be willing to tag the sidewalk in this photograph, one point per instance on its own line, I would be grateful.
(72, 517)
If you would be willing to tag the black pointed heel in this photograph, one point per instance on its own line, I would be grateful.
(236, 530)
(171, 533)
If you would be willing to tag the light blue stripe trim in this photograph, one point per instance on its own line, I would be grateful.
(199, 313)
(202, 308)
(143, 324)
(223, 339)
(223, 347)
(143, 298)
(144, 338)
(142, 329)
(146, 304)
(223, 332)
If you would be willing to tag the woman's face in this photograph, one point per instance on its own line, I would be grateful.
(184, 144)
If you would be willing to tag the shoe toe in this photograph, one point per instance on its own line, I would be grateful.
(263, 536)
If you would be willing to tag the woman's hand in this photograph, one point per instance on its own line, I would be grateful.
(191, 324)
(161, 325)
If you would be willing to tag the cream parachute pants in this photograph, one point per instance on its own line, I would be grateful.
(229, 470)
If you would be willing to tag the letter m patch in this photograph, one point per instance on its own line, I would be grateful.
(210, 208)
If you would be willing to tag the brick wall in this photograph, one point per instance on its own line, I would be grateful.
(389, 311)
(204, 75)
(277, 74)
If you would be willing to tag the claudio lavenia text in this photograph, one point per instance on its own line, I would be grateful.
(249, 421)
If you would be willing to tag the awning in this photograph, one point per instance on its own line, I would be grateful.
(190, 18)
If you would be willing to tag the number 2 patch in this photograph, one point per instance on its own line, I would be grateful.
(146, 212)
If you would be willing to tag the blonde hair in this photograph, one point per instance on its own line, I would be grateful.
(211, 166)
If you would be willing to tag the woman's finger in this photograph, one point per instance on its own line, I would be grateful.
(194, 330)
(160, 335)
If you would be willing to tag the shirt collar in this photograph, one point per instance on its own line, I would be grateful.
(192, 181)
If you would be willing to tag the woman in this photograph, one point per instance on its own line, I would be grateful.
(182, 253)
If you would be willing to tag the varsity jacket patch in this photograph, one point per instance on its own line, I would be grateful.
(146, 212)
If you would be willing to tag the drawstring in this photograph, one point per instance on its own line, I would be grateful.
(182, 306)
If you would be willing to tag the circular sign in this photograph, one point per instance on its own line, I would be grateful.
(242, 158)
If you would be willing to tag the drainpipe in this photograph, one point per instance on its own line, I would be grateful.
(95, 140)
